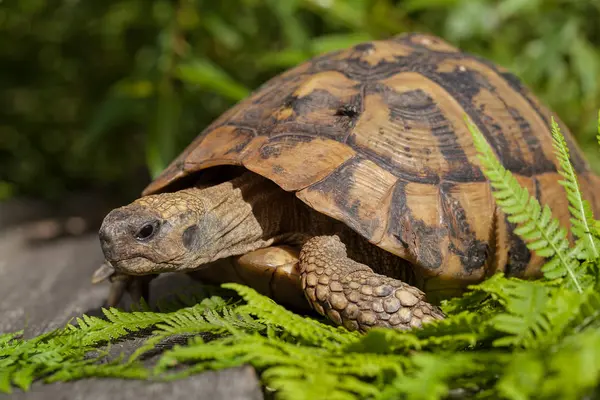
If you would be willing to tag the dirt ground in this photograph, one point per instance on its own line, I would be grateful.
(46, 260)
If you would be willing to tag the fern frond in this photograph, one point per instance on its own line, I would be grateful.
(5, 379)
(582, 216)
(121, 323)
(7, 338)
(432, 376)
(471, 301)
(384, 341)
(525, 321)
(569, 370)
(307, 329)
(598, 129)
(296, 371)
(527, 311)
(22, 361)
(456, 332)
(522, 376)
(34, 358)
(574, 369)
(537, 315)
(114, 369)
(190, 321)
(579, 312)
(542, 233)
(24, 377)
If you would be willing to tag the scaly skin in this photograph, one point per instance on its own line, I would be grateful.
(194, 227)
(351, 294)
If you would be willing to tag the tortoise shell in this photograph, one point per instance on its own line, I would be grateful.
(375, 136)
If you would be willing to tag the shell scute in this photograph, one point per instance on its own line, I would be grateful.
(296, 161)
(411, 124)
(354, 193)
(221, 146)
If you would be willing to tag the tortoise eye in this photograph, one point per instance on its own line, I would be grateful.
(147, 231)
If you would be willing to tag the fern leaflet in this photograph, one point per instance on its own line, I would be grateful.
(296, 372)
(568, 370)
(542, 233)
(598, 129)
(432, 375)
(581, 210)
(307, 329)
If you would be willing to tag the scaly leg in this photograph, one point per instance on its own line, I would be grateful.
(138, 287)
(351, 294)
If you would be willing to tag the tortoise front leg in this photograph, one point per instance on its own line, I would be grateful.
(351, 294)
(138, 287)
(271, 271)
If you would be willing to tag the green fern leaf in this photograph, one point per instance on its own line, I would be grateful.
(522, 377)
(23, 377)
(7, 338)
(458, 331)
(542, 234)
(295, 371)
(526, 304)
(121, 323)
(472, 301)
(554, 270)
(574, 369)
(579, 312)
(432, 375)
(291, 382)
(455, 332)
(5, 379)
(531, 314)
(203, 318)
(308, 329)
(190, 321)
(569, 370)
(598, 129)
(581, 211)
(384, 341)
(113, 369)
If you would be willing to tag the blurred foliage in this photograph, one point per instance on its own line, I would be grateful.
(93, 92)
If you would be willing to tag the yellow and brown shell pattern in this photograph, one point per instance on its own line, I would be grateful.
(375, 136)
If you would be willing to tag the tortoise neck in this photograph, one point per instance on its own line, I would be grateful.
(240, 215)
(266, 204)
(281, 215)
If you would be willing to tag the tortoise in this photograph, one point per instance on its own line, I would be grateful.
(361, 160)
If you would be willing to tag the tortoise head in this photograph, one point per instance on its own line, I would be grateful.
(155, 233)
(184, 230)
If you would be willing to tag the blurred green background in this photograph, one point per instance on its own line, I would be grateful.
(101, 95)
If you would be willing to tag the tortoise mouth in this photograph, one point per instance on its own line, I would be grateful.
(138, 266)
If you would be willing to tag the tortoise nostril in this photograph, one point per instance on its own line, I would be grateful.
(104, 235)
(107, 243)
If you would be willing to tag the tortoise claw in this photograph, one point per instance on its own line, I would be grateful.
(106, 271)
(138, 287)
(116, 292)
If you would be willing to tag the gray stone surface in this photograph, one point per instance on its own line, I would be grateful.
(232, 384)
(45, 281)
(45, 284)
